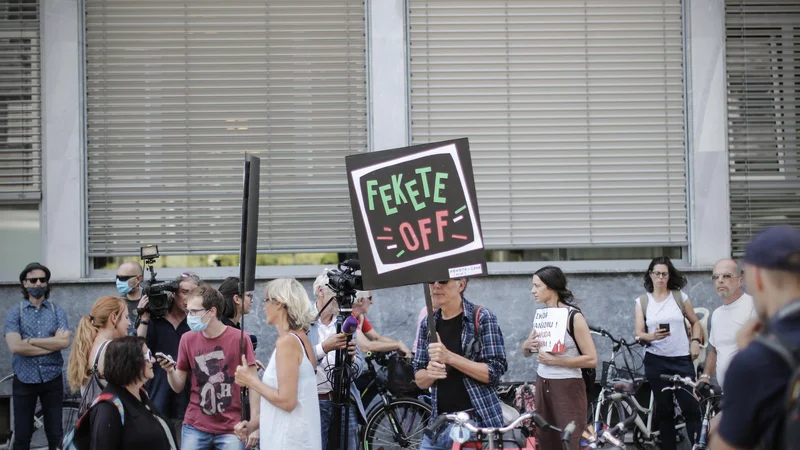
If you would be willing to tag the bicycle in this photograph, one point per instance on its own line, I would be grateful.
(630, 371)
(392, 422)
(495, 435)
(644, 436)
(709, 405)
(613, 435)
(69, 415)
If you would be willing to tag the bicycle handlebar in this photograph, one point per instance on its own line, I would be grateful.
(609, 336)
(686, 381)
(462, 419)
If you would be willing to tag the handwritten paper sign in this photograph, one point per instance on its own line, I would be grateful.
(415, 214)
(551, 329)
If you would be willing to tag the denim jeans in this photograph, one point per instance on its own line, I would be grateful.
(441, 442)
(51, 395)
(192, 438)
(326, 416)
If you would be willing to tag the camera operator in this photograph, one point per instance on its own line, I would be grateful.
(129, 285)
(163, 334)
(326, 341)
(368, 339)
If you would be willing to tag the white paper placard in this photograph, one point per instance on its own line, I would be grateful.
(551, 329)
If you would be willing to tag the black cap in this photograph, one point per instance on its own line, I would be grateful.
(776, 248)
(34, 266)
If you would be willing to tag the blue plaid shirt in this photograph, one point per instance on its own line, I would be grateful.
(483, 396)
(36, 323)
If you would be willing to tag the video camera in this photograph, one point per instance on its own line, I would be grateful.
(345, 280)
(159, 293)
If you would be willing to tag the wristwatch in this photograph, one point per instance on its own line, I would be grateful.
(698, 341)
(706, 376)
(139, 321)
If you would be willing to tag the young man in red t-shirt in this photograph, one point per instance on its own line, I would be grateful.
(368, 339)
(211, 354)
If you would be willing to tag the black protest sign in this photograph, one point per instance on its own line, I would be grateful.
(415, 214)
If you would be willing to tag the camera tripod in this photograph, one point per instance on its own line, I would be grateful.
(341, 378)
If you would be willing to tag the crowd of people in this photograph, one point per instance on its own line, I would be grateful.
(174, 380)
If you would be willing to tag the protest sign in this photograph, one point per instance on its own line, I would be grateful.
(551, 328)
(415, 214)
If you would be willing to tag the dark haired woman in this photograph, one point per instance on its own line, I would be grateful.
(660, 324)
(128, 365)
(235, 307)
(560, 389)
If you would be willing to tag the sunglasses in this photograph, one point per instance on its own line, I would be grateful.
(442, 282)
(34, 280)
(724, 276)
(125, 277)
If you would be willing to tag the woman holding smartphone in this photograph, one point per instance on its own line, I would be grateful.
(660, 316)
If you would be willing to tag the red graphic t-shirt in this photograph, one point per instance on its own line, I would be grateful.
(214, 404)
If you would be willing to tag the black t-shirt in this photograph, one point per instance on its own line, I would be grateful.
(163, 337)
(753, 406)
(452, 394)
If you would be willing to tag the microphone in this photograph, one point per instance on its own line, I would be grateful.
(350, 325)
(353, 264)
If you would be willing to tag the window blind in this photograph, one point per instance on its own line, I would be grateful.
(179, 90)
(574, 111)
(20, 101)
(763, 69)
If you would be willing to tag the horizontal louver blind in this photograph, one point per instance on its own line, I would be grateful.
(179, 90)
(574, 111)
(763, 69)
(20, 100)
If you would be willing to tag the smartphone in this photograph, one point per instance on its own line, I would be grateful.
(160, 356)
(664, 326)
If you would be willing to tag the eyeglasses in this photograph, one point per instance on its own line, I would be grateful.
(660, 274)
(148, 356)
(34, 280)
(194, 312)
(125, 277)
(442, 282)
(724, 276)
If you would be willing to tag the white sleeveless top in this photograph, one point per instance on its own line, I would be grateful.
(558, 372)
(298, 429)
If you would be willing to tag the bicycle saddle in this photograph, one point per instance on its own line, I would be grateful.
(624, 386)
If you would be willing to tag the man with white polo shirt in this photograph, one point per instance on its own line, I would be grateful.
(726, 321)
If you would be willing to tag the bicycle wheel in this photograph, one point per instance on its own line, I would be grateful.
(69, 415)
(412, 418)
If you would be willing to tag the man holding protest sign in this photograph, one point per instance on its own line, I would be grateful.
(416, 220)
(459, 381)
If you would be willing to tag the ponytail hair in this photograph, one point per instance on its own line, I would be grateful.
(79, 368)
(554, 278)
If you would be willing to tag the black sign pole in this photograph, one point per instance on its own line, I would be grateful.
(431, 323)
(247, 252)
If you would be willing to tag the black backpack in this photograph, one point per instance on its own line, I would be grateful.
(589, 375)
(789, 438)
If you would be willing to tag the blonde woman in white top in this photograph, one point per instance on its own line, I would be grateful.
(670, 349)
(289, 413)
(560, 389)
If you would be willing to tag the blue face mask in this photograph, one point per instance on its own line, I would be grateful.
(123, 287)
(36, 291)
(196, 322)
